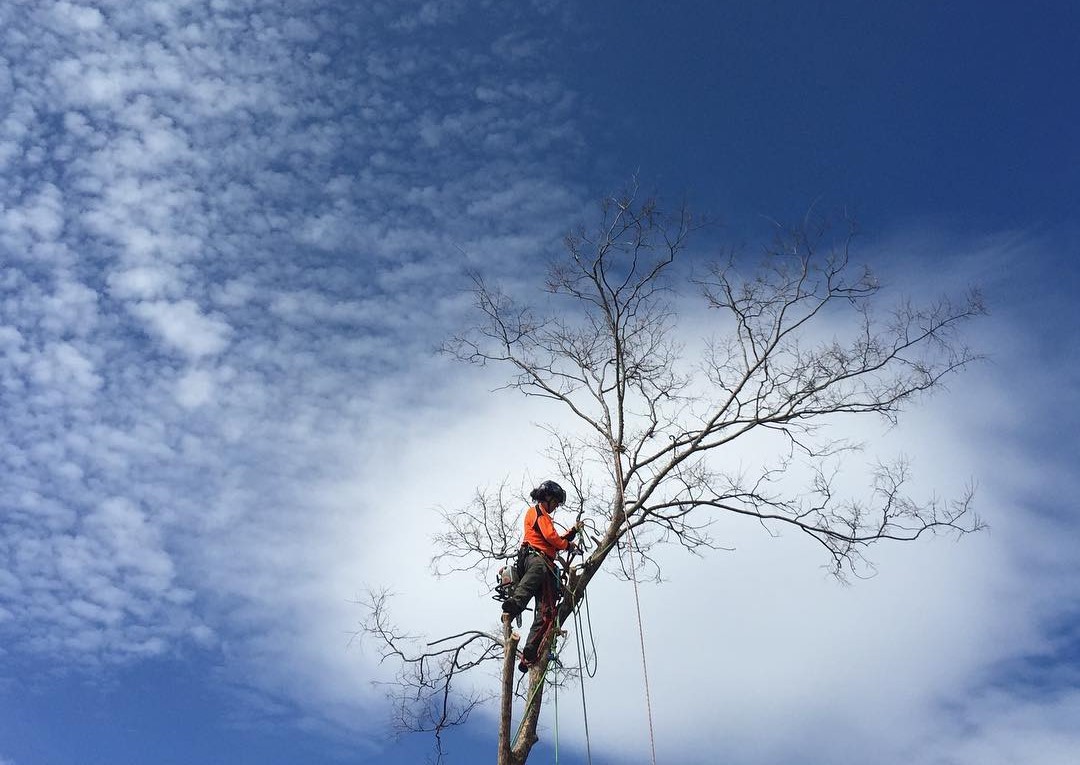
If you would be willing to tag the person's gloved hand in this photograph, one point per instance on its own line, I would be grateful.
(568, 536)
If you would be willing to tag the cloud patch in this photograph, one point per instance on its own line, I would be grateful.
(226, 245)
(183, 326)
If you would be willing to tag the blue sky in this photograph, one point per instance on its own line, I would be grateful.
(232, 232)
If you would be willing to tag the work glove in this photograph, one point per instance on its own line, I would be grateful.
(570, 534)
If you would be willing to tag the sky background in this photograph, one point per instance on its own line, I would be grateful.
(232, 232)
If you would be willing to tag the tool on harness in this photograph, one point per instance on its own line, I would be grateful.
(505, 581)
(509, 574)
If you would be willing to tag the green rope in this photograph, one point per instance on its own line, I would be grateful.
(532, 696)
(553, 658)
(547, 666)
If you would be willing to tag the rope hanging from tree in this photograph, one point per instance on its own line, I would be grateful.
(641, 635)
(583, 666)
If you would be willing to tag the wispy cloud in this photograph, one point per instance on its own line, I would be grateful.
(229, 231)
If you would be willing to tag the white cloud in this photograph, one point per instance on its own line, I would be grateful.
(195, 388)
(762, 633)
(1001, 728)
(41, 215)
(82, 17)
(104, 587)
(10, 340)
(143, 282)
(183, 326)
(63, 366)
(72, 309)
(193, 332)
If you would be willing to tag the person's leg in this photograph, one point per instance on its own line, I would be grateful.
(530, 583)
(542, 620)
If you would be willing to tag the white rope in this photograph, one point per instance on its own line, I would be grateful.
(641, 634)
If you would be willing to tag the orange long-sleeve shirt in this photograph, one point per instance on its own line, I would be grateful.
(540, 532)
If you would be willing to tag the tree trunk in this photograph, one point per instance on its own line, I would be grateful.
(527, 737)
(510, 643)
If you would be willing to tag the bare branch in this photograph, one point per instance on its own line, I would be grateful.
(476, 535)
(423, 695)
(802, 341)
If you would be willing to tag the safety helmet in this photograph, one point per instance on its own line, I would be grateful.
(549, 489)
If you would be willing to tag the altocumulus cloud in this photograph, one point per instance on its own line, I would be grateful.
(229, 232)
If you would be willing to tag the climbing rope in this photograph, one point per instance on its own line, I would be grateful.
(590, 671)
(583, 663)
(555, 690)
(553, 628)
(579, 640)
(583, 668)
(641, 635)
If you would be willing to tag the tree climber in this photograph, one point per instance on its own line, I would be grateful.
(538, 577)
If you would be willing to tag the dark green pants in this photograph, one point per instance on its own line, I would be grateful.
(537, 581)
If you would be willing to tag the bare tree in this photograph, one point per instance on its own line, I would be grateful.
(801, 343)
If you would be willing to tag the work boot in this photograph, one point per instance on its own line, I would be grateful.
(528, 658)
